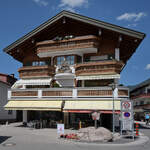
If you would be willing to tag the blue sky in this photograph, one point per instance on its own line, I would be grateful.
(18, 17)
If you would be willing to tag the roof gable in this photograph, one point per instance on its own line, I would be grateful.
(94, 22)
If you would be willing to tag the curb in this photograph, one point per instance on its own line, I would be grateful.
(141, 140)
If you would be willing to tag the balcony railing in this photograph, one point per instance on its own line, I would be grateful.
(36, 71)
(77, 43)
(101, 92)
(99, 67)
(142, 96)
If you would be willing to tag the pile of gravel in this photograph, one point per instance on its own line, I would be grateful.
(90, 134)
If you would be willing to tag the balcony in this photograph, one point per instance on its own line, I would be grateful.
(36, 71)
(56, 93)
(82, 44)
(141, 96)
(100, 67)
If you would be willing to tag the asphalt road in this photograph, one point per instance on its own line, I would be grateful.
(46, 139)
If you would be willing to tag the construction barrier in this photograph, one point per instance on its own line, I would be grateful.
(137, 129)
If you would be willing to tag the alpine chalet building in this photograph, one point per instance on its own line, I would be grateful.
(68, 65)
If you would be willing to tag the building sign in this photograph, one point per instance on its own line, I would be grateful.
(60, 128)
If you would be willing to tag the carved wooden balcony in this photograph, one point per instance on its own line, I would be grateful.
(95, 92)
(82, 44)
(36, 71)
(97, 68)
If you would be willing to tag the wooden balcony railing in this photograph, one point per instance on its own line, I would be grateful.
(100, 67)
(144, 95)
(68, 93)
(36, 71)
(64, 45)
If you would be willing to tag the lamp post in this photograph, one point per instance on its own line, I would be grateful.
(113, 86)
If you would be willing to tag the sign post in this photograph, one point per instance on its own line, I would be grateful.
(127, 120)
(95, 117)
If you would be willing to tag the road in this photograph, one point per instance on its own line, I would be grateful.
(46, 139)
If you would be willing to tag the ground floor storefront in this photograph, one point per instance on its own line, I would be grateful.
(71, 120)
(72, 113)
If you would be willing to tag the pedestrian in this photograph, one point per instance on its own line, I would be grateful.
(147, 117)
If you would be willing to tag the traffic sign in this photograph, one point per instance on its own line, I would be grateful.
(95, 115)
(127, 114)
(126, 105)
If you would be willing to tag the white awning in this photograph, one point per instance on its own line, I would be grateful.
(44, 81)
(98, 77)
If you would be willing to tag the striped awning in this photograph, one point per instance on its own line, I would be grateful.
(44, 81)
(98, 77)
(42, 105)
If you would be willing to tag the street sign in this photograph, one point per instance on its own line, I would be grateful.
(127, 114)
(60, 128)
(126, 105)
(127, 120)
(127, 125)
(95, 115)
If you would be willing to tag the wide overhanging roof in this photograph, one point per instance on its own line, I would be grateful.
(94, 22)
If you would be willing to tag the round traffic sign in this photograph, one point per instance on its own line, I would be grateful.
(127, 114)
(126, 105)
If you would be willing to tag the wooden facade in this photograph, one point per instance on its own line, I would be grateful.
(75, 52)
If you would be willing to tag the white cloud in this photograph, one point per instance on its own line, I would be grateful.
(41, 2)
(132, 25)
(132, 16)
(147, 67)
(72, 4)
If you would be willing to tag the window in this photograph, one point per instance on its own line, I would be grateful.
(40, 63)
(142, 103)
(69, 59)
(60, 60)
(148, 90)
(10, 112)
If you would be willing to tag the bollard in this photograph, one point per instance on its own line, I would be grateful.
(137, 129)
(80, 125)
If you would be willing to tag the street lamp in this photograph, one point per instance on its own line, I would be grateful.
(113, 86)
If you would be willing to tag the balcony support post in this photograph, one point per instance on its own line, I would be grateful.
(66, 119)
(25, 118)
(82, 81)
(39, 93)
